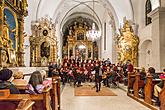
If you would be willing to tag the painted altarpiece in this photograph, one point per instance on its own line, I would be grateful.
(12, 13)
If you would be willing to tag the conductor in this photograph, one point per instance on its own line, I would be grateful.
(98, 77)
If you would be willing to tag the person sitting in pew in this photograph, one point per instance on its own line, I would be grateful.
(46, 81)
(5, 81)
(158, 87)
(35, 85)
(142, 74)
(142, 78)
(151, 71)
(18, 79)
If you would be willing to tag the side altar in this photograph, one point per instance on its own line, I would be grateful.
(12, 13)
(127, 44)
(43, 43)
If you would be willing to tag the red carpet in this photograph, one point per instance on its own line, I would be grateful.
(90, 91)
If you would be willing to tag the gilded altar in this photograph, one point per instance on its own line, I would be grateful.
(77, 45)
(43, 43)
(127, 44)
(12, 13)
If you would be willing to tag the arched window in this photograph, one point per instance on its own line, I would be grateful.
(148, 10)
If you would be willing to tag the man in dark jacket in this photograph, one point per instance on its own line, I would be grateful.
(98, 77)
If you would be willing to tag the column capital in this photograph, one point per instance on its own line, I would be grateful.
(155, 14)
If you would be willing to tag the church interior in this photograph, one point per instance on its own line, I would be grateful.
(82, 54)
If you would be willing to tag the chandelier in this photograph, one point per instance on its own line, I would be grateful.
(93, 34)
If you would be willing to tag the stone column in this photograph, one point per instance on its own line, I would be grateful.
(158, 39)
(162, 3)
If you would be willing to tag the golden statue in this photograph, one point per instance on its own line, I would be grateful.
(127, 44)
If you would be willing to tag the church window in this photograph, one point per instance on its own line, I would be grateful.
(105, 36)
(148, 9)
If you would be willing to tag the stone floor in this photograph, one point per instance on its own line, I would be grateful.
(120, 102)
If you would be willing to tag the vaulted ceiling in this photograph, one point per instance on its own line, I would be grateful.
(62, 10)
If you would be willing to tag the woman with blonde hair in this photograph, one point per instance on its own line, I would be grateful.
(18, 79)
(43, 73)
(46, 81)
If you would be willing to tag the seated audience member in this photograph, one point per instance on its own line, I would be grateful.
(151, 71)
(158, 87)
(50, 71)
(43, 74)
(18, 79)
(5, 81)
(35, 83)
(46, 81)
(142, 74)
(143, 78)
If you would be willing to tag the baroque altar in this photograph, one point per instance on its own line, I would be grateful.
(12, 13)
(43, 43)
(77, 46)
(127, 44)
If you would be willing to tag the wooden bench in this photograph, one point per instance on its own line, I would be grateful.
(25, 104)
(148, 90)
(137, 85)
(131, 78)
(162, 98)
(55, 95)
(42, 101)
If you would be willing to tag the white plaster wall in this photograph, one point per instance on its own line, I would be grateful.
(162, 3)
(27, 52)
(108, 52)
(155, 4)
(59, 39)
(32, 10)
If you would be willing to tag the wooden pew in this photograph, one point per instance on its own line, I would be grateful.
(137, 84)
(42, 101)
(162, 98)
(131, 78)
(55, 95)
(148, 90)
(25, 104)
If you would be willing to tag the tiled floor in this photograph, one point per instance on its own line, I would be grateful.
(120, 102)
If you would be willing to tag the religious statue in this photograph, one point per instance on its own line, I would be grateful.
(127, 44)
(70, 31)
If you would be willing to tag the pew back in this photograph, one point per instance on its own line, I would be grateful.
(42, 101)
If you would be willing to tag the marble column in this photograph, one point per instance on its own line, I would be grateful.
(158, 39)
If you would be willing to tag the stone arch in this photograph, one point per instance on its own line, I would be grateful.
(145, 53)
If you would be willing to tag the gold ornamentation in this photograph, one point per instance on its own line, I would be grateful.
(14, 56)
(76, 38)
(43, 43)
(127, 44)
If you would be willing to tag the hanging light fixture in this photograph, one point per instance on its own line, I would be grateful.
(93, 34)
